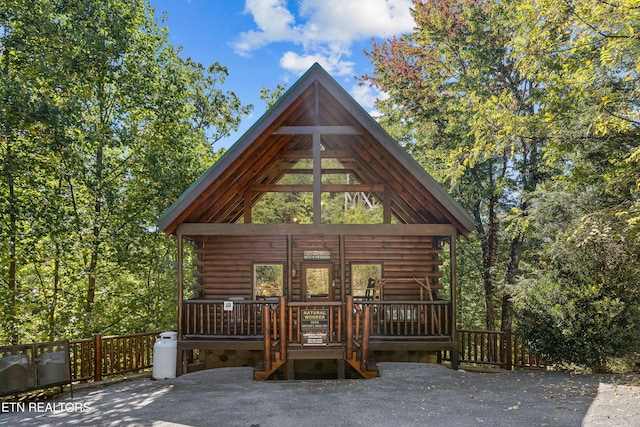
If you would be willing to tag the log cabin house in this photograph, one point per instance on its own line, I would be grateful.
(287, 294)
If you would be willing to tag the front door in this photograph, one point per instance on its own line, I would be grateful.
(317, 282)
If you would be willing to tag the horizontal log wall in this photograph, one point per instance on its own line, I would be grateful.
(402, 257)
(225, 263)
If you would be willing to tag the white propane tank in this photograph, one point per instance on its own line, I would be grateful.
(165, 351)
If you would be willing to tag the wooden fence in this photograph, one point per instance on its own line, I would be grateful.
(93, 359)
(99, 357)
(496, 348)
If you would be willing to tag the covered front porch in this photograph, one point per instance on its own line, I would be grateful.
(318, 273)
(287, 331)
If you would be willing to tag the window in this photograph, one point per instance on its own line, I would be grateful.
(267, 280)
(360, 275)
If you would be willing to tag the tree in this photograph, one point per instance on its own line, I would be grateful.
(460, 106)
(106, 126)
(270, 97)
(587, 289)
(587, 54)
(31, 109)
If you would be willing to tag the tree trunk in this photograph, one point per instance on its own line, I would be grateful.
(13, 233)
(489, 243)
(103, 134)
(512, 269)
(95, 245)
(8, 170)
(54, 297)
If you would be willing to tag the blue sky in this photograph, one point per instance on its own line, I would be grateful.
(270, 42)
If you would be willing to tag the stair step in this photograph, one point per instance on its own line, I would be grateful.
(316, 353)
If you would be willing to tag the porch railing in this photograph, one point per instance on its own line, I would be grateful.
(315, 325)
(498, 348)
(218, 318)
(274, 331)
(387, 320)
(358, 328)
(208, 318)
(410, 318)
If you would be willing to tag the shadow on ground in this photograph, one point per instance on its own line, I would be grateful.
(406, 394)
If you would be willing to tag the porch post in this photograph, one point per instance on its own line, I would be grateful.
(266, 332)
(317, 178)
(366, 331)
(180, 260)
(454, 295)
(348, 315)
(343, 269)
(290, 267)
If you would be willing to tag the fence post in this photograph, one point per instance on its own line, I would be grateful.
(508, 337)
(97, 357)
(507, 324)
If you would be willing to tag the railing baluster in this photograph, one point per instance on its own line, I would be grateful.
(98, 357)
(490, 347)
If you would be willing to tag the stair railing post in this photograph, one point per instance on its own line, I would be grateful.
(366, 331)
(284, 341)
(266, 331)
(349, 327)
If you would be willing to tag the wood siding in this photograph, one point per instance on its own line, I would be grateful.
(402, 258)
(224, 265)
(224, 268)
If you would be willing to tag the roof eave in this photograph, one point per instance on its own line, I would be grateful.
(167, 221)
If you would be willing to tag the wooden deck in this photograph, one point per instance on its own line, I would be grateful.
(347, 331)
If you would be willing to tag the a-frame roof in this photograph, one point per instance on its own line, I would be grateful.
(315, 108)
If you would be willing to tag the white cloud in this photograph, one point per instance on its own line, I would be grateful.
(325, 29)
(345, 21)
(274, 21)
(366, 96)
(332, 62)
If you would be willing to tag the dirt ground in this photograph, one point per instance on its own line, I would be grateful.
(406, 394)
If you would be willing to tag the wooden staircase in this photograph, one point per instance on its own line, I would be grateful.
(282, 343)
(370, 369)
(261, 373)
(366, 370)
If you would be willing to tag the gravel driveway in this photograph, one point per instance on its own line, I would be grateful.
(406, 394)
